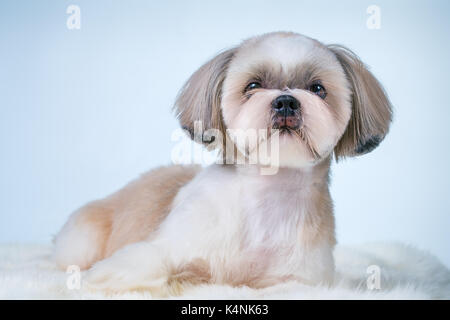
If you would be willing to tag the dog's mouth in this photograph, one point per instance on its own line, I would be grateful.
(286, 123)
(285, 130)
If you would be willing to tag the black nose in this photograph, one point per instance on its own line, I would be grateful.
(285, 103)
(286, 113)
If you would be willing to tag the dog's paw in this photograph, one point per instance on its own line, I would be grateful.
(117, 274)
(109, 276)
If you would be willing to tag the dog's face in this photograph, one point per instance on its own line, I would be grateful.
(314, 99)
(289, 83)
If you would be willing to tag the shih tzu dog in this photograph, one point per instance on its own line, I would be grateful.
(232, 223)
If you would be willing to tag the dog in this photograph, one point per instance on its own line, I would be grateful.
(230, 223)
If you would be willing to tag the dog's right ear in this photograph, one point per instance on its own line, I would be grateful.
(200, 97)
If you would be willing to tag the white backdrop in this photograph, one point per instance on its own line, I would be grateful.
(84, 111)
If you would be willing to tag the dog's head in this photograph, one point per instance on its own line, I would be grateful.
(316, 98)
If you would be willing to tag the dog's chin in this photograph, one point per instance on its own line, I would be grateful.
(286, 149)
(293, 152)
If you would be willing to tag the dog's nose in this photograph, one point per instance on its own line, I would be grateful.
(287, 112)
(285, 103)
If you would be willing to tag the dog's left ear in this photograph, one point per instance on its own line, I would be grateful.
(371, 109)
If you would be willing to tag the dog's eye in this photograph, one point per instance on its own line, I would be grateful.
(252, 85)
(318, 89)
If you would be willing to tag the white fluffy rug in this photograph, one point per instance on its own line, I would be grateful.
(406, 273)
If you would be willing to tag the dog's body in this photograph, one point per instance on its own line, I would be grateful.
(230, 223)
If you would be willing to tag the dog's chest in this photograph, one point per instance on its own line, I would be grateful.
(267, 241)
(273, 209)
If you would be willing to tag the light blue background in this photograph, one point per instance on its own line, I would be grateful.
(85, 111)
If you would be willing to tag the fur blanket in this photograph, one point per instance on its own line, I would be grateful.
(398, 272)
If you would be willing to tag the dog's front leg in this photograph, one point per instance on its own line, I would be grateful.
(141, 265)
